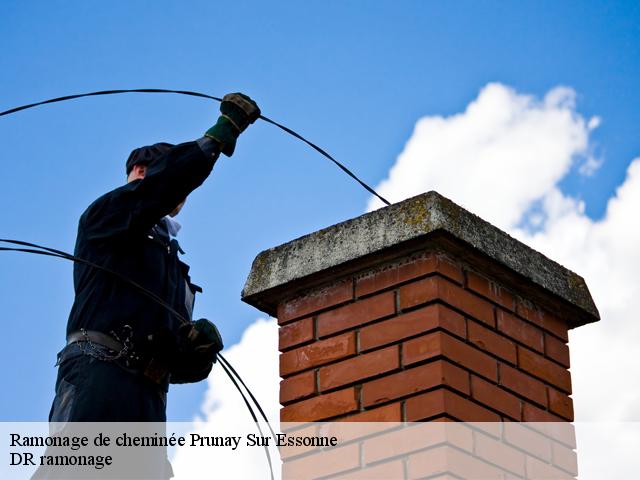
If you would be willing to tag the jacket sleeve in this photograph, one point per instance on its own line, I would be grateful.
(139, 205)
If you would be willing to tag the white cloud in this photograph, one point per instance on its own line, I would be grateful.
(476, 157)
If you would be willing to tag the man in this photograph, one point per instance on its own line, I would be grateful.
(123, 348)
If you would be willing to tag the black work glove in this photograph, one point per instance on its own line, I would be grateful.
(202, 337)
(199, 342)
(237, 112)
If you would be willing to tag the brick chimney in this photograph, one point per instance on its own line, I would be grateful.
(420, 311)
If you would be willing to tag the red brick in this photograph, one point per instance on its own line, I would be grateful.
(421, 348)
(318, 353)
(520, 331)
(542, 318)
(449, 268)
(363, 424)
(531, 413)
(323, 462)
(443, 401)
(522, 384)
(496, 398)
(556, 326)
(467, 302)
(315, 301)
(295, 333)
(438, 343)
(297, 387)
(421, 291)
(393, 469)
(438, 288)
(359, 368)
(556, 430)
(408, 269)
(413, 380)
(395, 443)
(537, 469)
(490, 290)
(544, 369)
(444, 476)
(527, 440)
(409, 324)
(565, 458)
(321, 407)
(491, 342)
(500, 454)
(386, 413)
(557, 350)
(448, 463)
(415, 436)
(358, 313)
(396, 274)
(561, 404)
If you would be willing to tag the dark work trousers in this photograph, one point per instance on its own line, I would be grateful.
(92, 390)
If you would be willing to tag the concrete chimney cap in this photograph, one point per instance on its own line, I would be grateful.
(424, 221)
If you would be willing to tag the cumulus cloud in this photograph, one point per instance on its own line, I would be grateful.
(476, 157)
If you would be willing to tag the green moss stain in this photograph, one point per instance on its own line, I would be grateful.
(417, 214)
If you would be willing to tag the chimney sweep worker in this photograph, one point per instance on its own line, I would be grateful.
(124, 349)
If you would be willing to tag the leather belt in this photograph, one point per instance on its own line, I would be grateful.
(152, 369)
(98, 338)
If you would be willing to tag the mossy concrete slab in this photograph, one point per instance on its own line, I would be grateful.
(411, 224)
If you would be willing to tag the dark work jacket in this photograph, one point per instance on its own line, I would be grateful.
(119, 231)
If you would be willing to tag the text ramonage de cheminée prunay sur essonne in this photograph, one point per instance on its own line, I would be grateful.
(173, 440)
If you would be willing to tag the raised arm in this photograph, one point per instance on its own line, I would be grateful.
(170, 176)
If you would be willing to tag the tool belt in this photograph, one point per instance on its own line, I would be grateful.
(98, 338)
(94, 343)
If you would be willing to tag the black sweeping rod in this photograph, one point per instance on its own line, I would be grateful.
(34, 248)
(201, 95)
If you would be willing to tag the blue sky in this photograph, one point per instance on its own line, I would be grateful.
(352, 76)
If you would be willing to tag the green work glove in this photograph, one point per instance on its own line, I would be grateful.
(237, 112)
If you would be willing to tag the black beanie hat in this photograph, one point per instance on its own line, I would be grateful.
(147, 155)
